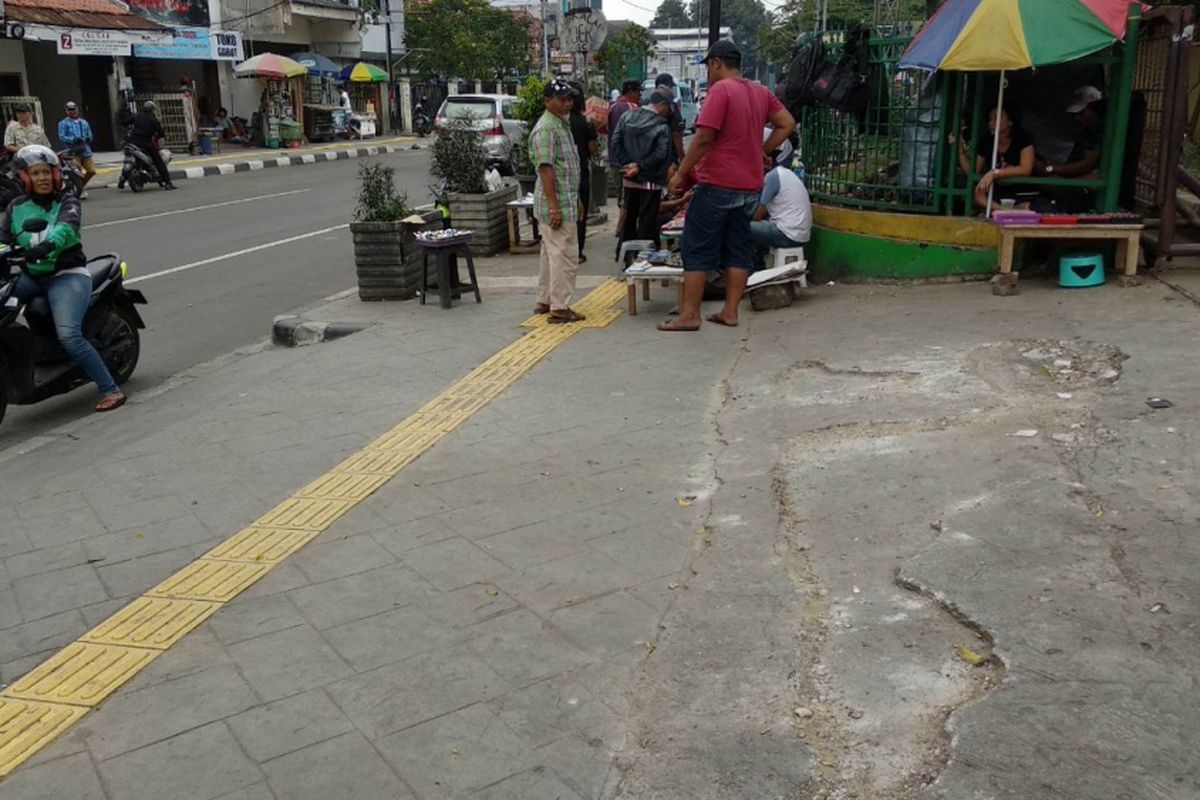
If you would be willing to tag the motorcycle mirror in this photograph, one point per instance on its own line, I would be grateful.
(34, 225)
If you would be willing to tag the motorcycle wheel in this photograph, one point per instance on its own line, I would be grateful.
(135, 182)
(120, 334)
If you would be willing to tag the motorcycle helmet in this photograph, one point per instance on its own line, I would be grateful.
(32, 154)
(150, 106)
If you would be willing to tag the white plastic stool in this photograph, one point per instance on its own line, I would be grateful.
(782, 256)
(634, 246)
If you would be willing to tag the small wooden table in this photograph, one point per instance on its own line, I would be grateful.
(1128, 236)
(515, 245)
(634, 278)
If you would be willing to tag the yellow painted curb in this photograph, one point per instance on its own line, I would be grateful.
(53, 696)
(951, 231)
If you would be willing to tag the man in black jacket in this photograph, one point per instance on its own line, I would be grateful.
(641, 144)
(146, 132)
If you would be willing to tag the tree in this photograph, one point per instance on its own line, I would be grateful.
(672, 14)
(743, 18)
(466, 39)
(624, 55)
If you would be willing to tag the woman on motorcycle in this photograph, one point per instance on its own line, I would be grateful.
(55, 264)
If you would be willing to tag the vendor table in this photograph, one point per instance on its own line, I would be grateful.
(515, 245)
(1128, 236)
(667, 275)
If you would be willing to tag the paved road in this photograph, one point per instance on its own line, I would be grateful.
(221, 297)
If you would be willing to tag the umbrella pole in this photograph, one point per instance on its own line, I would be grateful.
(996, 144)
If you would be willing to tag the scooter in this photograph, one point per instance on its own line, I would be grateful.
(422, 125)
(139, 169)
(33, 365)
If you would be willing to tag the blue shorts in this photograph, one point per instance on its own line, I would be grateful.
(716, 231)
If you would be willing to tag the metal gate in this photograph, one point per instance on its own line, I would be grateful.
(177, 112)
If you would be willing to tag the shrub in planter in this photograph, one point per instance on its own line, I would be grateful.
(528, 109)
(459, 160)
(386, 257)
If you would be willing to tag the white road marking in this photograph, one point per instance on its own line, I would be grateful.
(193, 208)
(237, 254)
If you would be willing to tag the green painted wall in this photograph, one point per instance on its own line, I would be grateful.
(839, 256)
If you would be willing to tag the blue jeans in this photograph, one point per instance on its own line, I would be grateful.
(766, 236)
(716, 232)
(68, 296)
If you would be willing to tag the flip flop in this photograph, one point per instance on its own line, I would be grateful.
(670, 327)
(541, 308)
(717, 320)
(111, 403)
(565, 317)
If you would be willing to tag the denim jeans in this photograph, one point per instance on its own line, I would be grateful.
(766, 236)
(68, 296)
(716, 233)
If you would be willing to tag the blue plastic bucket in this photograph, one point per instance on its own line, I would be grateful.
(1081, 270)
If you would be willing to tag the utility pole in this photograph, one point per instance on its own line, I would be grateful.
(391, 77)
(545, 39)
(714, 21)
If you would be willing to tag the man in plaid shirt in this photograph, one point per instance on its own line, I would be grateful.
(556, 203)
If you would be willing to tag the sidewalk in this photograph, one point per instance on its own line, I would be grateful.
(241, 158)
(744, 563)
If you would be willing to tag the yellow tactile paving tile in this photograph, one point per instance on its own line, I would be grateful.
(81, 674)
(303, 513)
(44, 703)
(260, 545)
(211, 580)
(26, 727)
(153, 622)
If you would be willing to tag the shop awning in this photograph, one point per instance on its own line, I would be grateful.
(102, 14)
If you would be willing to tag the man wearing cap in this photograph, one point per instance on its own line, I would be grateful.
(556, 203)
(23, 131)
(76, 136)
(784, 215)
(726, 161)
(1087, 104)
(664, 84)
(641, 144)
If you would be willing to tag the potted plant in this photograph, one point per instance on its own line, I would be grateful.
(459, 160)
(387, 259)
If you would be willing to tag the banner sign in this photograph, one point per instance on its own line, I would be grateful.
(172, 12)
(93, 42)
(195, 44)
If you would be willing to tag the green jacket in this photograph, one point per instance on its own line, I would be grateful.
(63, 215)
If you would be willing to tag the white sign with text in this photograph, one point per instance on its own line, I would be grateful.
(92, 42)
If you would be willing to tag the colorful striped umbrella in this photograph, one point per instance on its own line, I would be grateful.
(269, 65)
(990, 35)
(984, 35)
(364, 73)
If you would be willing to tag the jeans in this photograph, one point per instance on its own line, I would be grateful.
(68, 296)
(716, 233)
(641, 214)
(766, 236)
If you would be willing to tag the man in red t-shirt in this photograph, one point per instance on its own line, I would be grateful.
(726, 161)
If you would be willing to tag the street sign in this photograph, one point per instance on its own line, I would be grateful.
(584, 30)
(93, 42)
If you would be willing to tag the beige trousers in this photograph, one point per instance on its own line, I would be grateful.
(560, 265)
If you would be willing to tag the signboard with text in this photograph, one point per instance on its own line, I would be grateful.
(172, 12)
(93, 42)
(226, 46)
(195, 44)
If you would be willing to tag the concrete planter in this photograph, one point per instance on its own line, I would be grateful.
(486, 215)
(387, 259)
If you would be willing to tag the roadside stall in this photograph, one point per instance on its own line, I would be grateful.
(363, 84)
(320, 96)
(279, 120)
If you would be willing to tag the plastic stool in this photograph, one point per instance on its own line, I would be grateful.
(782, 256)
(631, 246)
(449, 285)
(1080, 270)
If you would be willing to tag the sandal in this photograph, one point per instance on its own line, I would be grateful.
(111, 403)
(541, 308)
(565, 316)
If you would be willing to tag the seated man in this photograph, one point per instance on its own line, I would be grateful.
(784, 215)
(1088, 106)
(673, 202)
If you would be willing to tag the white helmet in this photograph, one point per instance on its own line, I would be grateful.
(32, 154)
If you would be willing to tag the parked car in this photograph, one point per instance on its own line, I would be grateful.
(687, 103)
(491, 115)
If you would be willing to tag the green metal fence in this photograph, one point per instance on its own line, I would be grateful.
(896, 156)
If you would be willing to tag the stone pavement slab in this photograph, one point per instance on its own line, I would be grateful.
(735, 564)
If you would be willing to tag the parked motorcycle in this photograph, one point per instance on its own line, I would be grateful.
(422, 124)
(139, 169)
(33, 365)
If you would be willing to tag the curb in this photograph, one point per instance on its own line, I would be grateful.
(254, 165)
(292, 331)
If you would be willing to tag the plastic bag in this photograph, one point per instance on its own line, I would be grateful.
(492, 180)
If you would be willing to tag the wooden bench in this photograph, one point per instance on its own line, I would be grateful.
(1127, 236)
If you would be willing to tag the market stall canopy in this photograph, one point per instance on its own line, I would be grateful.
(270, 65)
(99, 14)
(987, 35)
(317, 64)
(364, 73)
